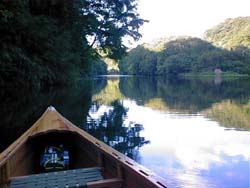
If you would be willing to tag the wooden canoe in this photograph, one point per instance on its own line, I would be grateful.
(21, 159)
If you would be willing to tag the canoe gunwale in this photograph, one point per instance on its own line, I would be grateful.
(63, 125)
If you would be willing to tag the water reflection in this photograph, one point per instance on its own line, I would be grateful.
(230, 114)
(180, 95)
(192, 151)
(107, 123)
(110, 93)
(174, 127)
(187, 146)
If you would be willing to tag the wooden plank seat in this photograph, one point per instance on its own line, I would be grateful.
(21, 158)
(86, 177)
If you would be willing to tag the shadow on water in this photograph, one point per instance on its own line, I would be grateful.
(20, 109)
(164, 124)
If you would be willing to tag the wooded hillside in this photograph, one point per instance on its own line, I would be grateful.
(230, 34)
(185, 55)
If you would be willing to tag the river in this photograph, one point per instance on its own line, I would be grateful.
(194, 133)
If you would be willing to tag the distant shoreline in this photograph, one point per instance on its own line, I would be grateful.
(227, 75)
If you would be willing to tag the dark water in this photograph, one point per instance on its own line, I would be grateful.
(194, 133)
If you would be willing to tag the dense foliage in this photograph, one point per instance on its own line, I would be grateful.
(139, 61)
(187, 55)
(231, 33)
(54, 41)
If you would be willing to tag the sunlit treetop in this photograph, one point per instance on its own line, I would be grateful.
(105, 22)
(102, 23)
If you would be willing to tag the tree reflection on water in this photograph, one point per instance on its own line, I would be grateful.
(107, 123)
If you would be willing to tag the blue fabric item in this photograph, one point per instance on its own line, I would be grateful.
(54, 158)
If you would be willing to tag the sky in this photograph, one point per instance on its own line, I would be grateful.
(186, 17)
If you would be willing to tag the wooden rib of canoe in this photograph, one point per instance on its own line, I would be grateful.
(21, 159)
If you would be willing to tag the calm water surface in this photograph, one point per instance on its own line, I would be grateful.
(193, 133)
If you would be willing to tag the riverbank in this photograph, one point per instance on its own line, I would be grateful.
(211, 75)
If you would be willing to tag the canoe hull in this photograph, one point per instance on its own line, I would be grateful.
(23, 156)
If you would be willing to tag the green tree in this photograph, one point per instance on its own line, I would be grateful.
(54, 41)
(185, 55)
(139, 61)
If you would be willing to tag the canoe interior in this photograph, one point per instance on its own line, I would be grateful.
(82, 153)
(23, 156)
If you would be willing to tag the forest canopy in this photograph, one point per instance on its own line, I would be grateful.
(187, 55)
(54, 41)
(230, 34)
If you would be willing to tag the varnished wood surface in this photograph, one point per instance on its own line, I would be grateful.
(115, 164)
